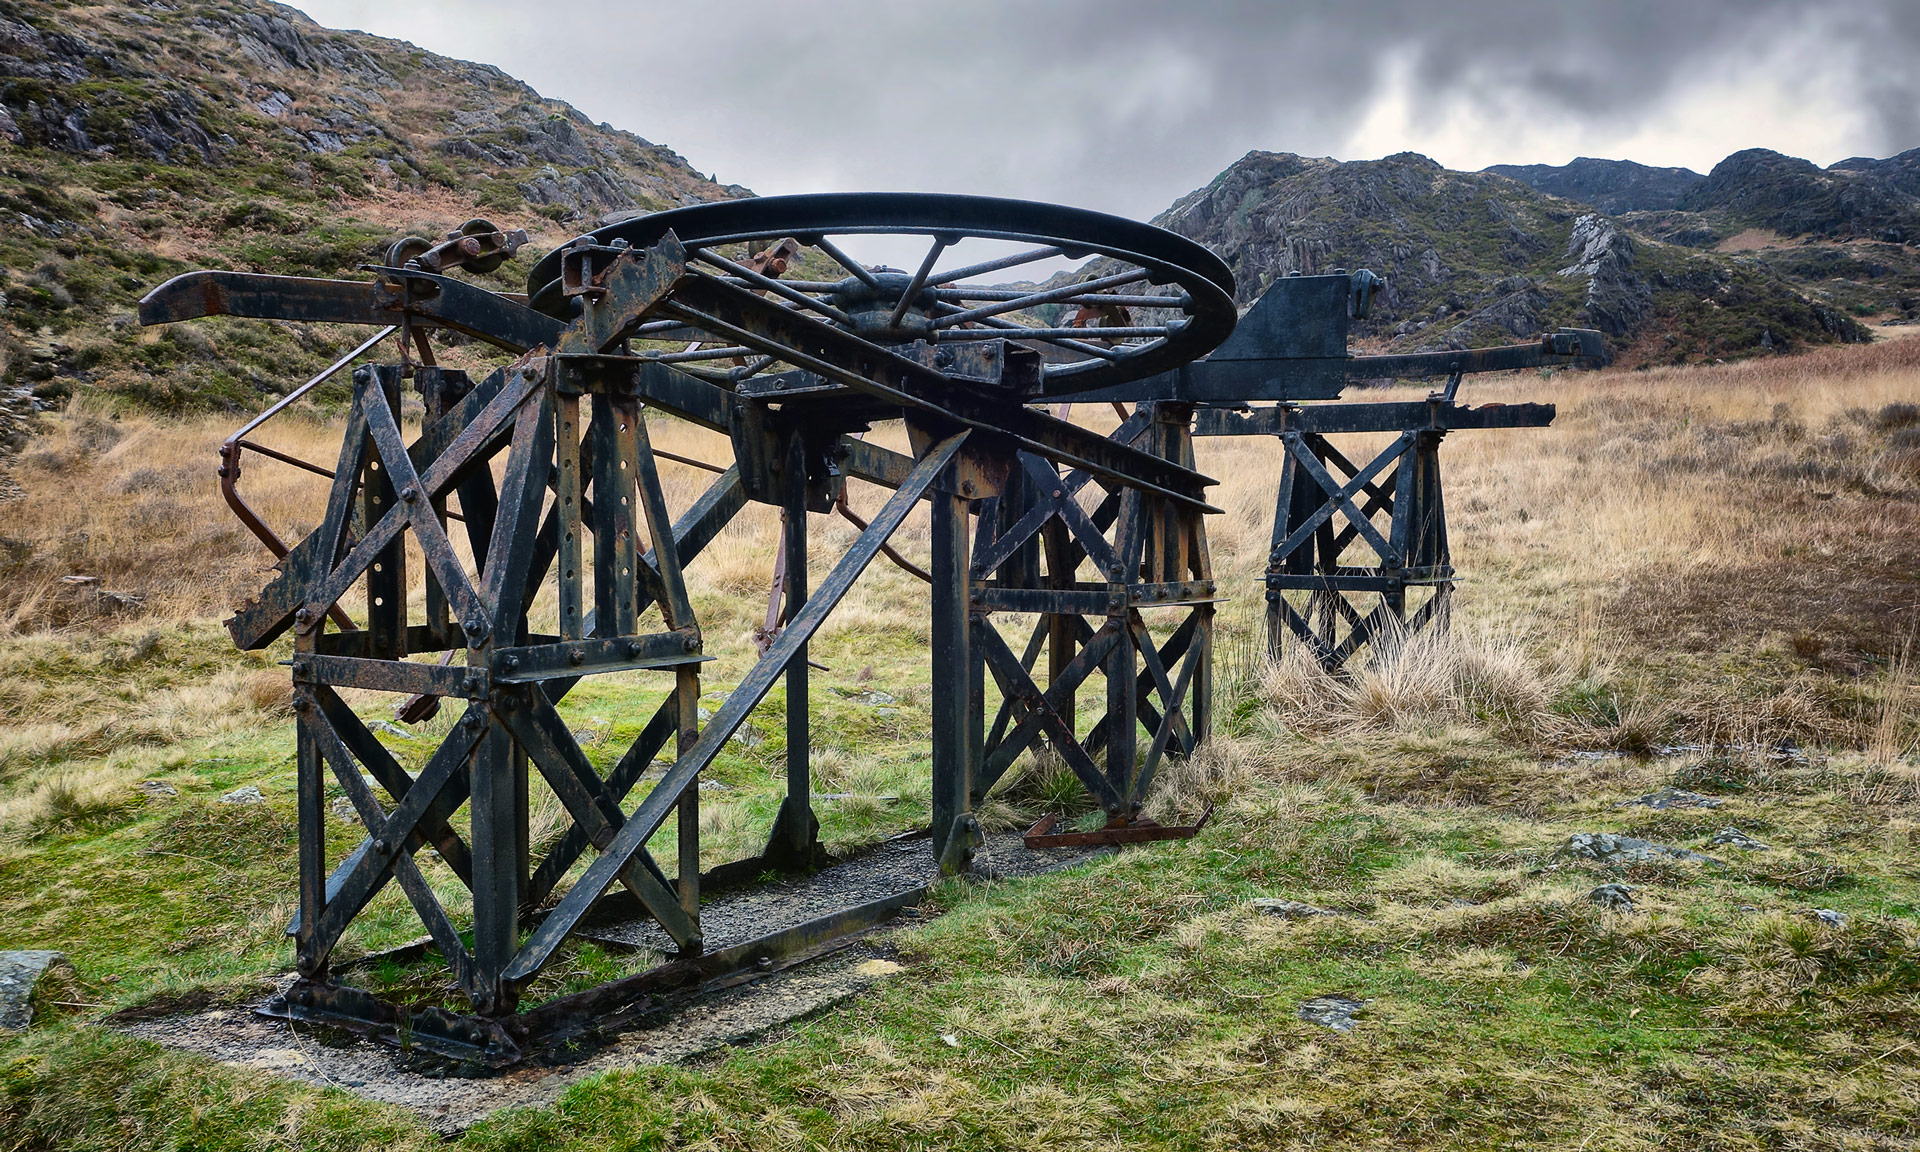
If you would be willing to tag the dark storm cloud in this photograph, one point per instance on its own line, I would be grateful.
(1125, 104)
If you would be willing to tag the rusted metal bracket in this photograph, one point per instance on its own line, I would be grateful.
(1118, 830)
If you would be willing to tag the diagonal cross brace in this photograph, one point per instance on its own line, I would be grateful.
(1341, 497)
(647, 818)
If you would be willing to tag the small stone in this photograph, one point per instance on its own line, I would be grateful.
(249, 794)
(1612, 897)
(1335, 1012)
(1828, 917)
(158, 788)
(1608, 848)
(878, 698)
(390, 729)
(1734, 838)
(1286, 909)
(747, 736)
(1671, 798)
(20, 972)
(589, 736)
(343, 810)
(878, 967)
(714, 786)
(886, 713)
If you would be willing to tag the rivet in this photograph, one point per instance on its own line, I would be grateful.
(409, 494)
(576, 657)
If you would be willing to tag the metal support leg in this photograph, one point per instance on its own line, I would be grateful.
(496, 868)
(954, 835)
(796, 830)
(686, 692)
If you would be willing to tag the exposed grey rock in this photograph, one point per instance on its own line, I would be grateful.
(9, 131)
(1335, 1012)
(390, 729)
(20, 973)
(1734, 838)
(747, 736)
(878, 698)
(1286, 909)
(1828, 917)
(1617, 299)
(1613, 897)
(1671, 798)
(343, 810)
(1608, 848)
(249, 794)
(158, 788)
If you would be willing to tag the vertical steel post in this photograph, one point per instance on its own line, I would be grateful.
(312, 789)
(496, 861)
(953, 724)
(799, 803)
(686, 694)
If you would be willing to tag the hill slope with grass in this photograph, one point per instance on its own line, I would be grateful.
(139, 141)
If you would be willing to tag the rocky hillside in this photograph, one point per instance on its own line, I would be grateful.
(1613, 186)
(141, 140)
(1845, 234)
(1474, 258)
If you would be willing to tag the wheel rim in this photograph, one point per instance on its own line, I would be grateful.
(1100, 324)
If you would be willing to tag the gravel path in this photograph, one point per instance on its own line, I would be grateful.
(382, 1073)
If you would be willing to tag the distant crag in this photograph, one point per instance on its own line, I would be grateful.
(1477, 258)
(1613, 186)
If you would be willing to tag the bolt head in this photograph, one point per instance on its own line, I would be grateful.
(474, 627)
(689, 642)
(576, 657)
(383, 846)
(409, 494)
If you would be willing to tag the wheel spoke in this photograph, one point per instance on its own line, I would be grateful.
(1156, 331)
(952, 295)
(768, 283)
(919, 281)
(845, 261)
(996, 265)
(1048, 297)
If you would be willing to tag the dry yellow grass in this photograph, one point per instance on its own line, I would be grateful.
(1673, 524)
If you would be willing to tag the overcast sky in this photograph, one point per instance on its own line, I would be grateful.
(1123, 106)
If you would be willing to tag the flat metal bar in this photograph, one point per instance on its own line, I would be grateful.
(664, 558)
(613, 791)
(566, 769)
(751, 689)
(568, 523)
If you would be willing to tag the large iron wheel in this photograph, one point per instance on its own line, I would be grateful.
(1144, 300)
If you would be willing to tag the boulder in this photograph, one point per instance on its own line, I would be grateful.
(1335, 1012)
(1608, 848)
(20, 973)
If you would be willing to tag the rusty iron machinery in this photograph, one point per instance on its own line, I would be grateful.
(751, 319)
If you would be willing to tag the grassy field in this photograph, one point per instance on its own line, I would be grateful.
(1703, 577)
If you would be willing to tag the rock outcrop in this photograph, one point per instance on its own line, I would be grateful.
(1613, 186)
